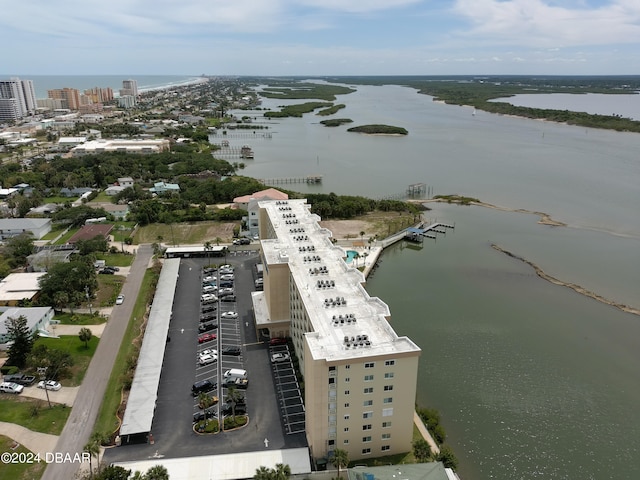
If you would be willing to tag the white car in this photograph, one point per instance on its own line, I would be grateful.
(120, 299)
(49, 385)
(228, 315)
(227, 277)
(209, 351)
(11, 387)
(207, 359)
(279, 357)
(210, 278)
(208, 298)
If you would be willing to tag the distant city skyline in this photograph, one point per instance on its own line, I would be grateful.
(322, 37)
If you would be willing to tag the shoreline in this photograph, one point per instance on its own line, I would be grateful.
(573, 286)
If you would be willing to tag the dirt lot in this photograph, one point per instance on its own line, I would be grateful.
(379, 224)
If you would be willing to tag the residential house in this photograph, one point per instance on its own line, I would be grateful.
(38, 227)
(38, 320)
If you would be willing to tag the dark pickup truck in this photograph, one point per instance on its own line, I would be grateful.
(20, 379)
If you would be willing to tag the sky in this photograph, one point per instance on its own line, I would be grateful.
(320, 37)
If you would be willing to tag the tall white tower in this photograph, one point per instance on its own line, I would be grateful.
(17, 99)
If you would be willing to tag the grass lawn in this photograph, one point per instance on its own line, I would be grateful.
(107, 422)
(18, 471)
(116, 259)
(55, 231)
(81, 355)
(185, 233)
(65, 238)
(21, 411)
(101, 198)
(122, 230)
(79, 319)
(58, 199)
(109, 287)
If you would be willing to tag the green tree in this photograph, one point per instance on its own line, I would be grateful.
(157, 472)
(447, 457)
(76, 278)
(340, 459)
(56, 362)
(264, 473)
(113, 472)
(85, 335)
(93, 449)
(19, 350)
(282, 472)
(233, 397)
(421, 450)
(18, 248)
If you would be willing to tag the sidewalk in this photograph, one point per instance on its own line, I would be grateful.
(425, 433)
(37, 442)
(64, 396)
(60, 329)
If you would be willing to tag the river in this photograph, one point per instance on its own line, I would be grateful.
(533, 380)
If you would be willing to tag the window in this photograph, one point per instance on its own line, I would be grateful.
(385, 424)
(388, 388)
(369, 365)
(332, 369)
(366, 439)
(368, 390)
(386, 436)
(367, 415)
(346, 392)
(385, 448)
(346, 417)
(387, 412)
(332, 381)
(389, 363)
(388, 400)
(367, 403)
(346, 429)
(332, 442)
(346, 405)
(345, 442)
(366, 427)
(388, 375)
(347, 367)
(366, 451)
(368, 378)
(347, 379)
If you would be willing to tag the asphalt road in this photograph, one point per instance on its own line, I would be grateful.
(79, 426)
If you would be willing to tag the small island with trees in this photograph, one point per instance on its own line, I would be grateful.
(378, 129)
(336, 122)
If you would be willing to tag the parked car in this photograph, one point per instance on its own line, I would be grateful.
(207, 327)
(208, 298)
(231, 351)
(202, 386)
(226, 409)
(278, 341)
(207, 359)
(242, 241)
(226, 284)
(49, 385)
(225, 291)
(209, 270)
(20, 379)
(209, 289)
(107, 271)
(207, 317)
(280, 357)
(201, 415)
(11, 387)
(209, 278)
(229, 315)
(229, 277)
(228, 298)
(239, 383)
(120, 299)
(206, 337)
(209, 307)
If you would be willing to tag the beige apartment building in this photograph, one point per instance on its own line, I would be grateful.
(359, 375)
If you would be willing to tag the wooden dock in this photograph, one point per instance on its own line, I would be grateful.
(279, 181)
(418, 234)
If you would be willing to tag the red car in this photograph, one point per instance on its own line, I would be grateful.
(278, 341)
(206, 337)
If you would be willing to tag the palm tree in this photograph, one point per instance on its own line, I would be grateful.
(85, 335)
(93, 449)
(362, 232)
(264, 473)
(356, 257)
(365, 255)
(157, 472)
(282, 472)
(340, 459)
(233, 397)
(207, 248)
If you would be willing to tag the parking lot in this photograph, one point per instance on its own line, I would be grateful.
(272, 397)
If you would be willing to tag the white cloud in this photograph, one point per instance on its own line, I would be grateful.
(356, 6)
(541, 24)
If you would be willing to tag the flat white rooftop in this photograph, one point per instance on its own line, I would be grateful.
(346, 321)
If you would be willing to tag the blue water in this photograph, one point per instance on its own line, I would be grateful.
(351, 254)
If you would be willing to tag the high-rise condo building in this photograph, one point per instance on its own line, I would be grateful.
(70, 97)
(17, 99)
(359, 375)
(129, 87)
